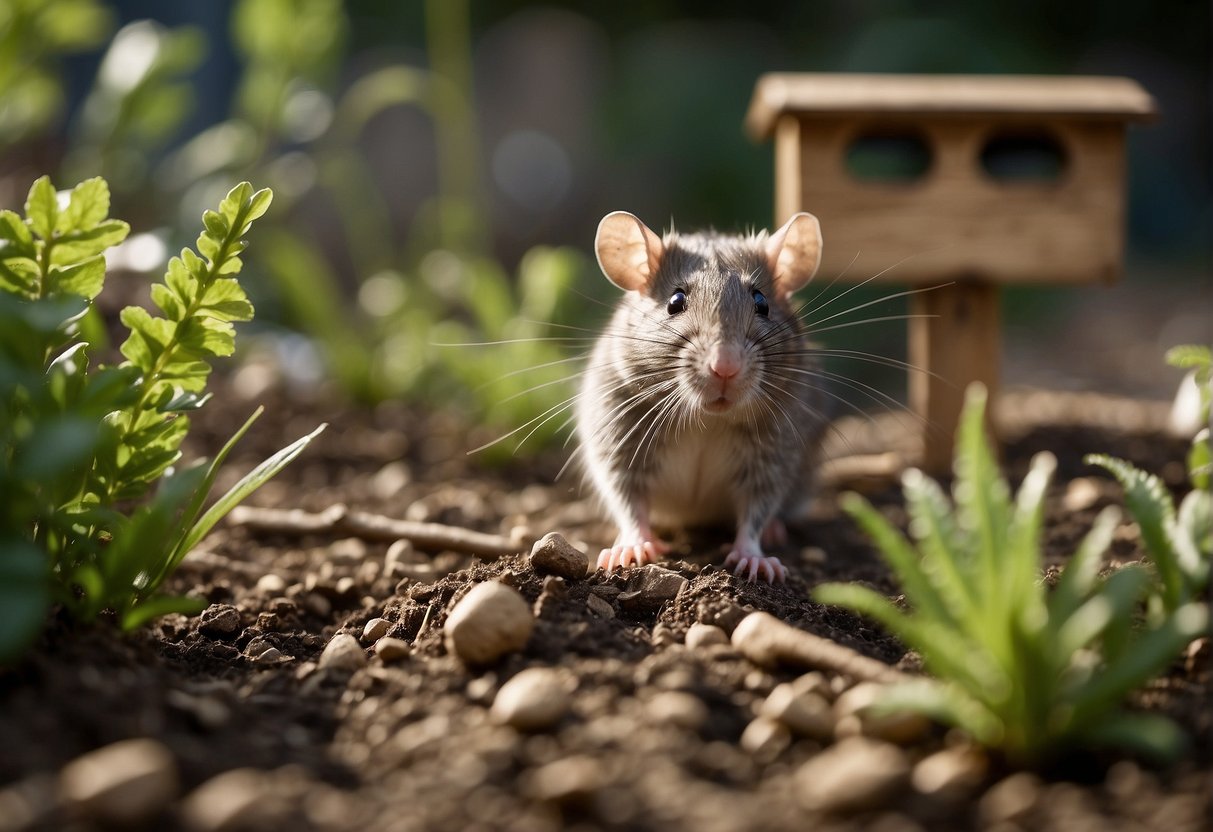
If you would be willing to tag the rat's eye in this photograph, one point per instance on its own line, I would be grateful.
(678, 302)
(760, 304)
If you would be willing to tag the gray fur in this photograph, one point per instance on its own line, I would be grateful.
(647, 442)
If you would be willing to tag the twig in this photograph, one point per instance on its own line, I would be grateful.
(764, 639)
(337, 519)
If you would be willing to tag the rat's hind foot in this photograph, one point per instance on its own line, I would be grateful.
(775, 533)
(632, 554)
(749, 564)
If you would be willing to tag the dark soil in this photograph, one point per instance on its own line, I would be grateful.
(409, 744)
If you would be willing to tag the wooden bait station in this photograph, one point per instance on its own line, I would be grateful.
(961, 182)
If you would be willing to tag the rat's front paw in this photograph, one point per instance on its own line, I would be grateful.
(631, 554)
(750, 564)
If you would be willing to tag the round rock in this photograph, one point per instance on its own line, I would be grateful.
(556, 556)
(343, 652)
(487, 623)
(391, 649)
(533, 700)
(375, 629)
(804, 712)
(126, 783)
(857, 713)
(856, 774)
(705, 635)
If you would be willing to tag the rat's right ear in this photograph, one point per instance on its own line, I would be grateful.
(628, 251)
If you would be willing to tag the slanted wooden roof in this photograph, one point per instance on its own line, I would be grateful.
(829, 94)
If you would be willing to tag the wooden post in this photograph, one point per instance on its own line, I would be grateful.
(954, 333)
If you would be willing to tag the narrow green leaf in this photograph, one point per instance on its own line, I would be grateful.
(1150, 654)
(247, 485)
(1022, 565)
(1078, 578)
(946, 704)
(899, 555)
(42, 207)
(943, 560)
(159, 605)
(182, 532)
(1151, 735)
(982, 498)
(1151, 506)
(1115, 602)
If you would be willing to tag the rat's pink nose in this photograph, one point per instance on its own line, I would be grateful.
(725, 364)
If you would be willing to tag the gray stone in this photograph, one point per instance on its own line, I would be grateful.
(343, 652)
(555, 555)
(219, 621)
(856, 774)
(599, 607)
(126, 783)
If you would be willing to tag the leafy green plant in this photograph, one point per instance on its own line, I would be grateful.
(94, 512)
(1017, 666)
(1180, 541)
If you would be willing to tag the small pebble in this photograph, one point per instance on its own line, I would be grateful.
(219, 621)
(487, 623)
(599, 607)
(227, 801)
(343, 652)
(347, 549)
(1010, 799)
(765, 739)
(391, 649)
(572, 780)
(806, 713)
(952, 772)
(317, 604)
(663, 635)
(705, 635)
(855, 774)
(126, 783)
(533, 700)
(677, 708)
(555, 555)
(271, 584)
(1081, 493)
(856, 714)
(375, 629)
(657, 584)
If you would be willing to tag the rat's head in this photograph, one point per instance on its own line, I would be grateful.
(715, 310)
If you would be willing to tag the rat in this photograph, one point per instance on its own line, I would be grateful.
(701, 403)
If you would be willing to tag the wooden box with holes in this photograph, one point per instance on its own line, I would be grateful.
(968, 181)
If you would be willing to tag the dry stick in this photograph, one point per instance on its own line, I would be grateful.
(338, 519)
(764, 639)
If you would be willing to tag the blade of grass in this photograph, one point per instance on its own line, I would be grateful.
(247, 485)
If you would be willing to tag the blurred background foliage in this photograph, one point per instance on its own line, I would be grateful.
(440, 165)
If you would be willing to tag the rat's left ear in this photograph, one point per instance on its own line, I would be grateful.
(794, 253)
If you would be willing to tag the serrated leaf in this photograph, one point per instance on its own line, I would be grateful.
(225, 299)
(89, 241)
(168, 302)
(207, 336)
(149, 336)
(89, 204)
(209, 247)
(15, 235)
(215, 225)
(20, 276)
(1151, 506)
(84, 279)
(42, 207)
